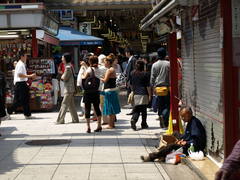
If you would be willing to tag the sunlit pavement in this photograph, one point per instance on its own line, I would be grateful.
(110, 154)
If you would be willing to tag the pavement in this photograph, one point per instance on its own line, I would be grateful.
(110, 154)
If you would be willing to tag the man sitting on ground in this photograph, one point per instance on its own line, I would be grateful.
(194, 134)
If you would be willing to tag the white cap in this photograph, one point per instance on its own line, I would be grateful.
(100, 59)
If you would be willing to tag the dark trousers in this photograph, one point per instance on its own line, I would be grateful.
(164, 151)
(136, 113)
(88, 109)
(164, 107)
(21, 98)
(2, 106)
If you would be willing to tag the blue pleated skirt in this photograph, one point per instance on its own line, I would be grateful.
(111, 104)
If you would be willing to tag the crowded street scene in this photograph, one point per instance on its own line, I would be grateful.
(119, 89)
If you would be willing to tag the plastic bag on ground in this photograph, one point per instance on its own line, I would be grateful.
(198, 156)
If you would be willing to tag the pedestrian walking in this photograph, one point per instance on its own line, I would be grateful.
(61, 69)
(111, 102)
(21, 87)
(141, 94)
(91, 92)
(82, 70)
(69, 90)
(129, 68)
(160, 83)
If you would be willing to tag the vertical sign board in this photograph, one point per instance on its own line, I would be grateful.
(236, 32)
(85, 28)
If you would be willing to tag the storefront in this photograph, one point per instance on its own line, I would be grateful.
(201, 50)
(77, 43)
(29, 27)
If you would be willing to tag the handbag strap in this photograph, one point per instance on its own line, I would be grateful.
(93, 72)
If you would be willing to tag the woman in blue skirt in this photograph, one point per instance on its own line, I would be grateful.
(111, 102)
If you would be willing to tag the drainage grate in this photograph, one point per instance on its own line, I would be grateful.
(48, 142)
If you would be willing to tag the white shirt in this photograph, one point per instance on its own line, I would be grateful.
(20, 69)
(80, 73)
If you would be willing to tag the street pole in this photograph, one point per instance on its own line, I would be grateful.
(34, 44)
(172, 49)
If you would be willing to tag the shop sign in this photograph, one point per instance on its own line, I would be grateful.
(3, 20)
(236, 18)
(50, 25)
(25, 20)
(85, 28)
(40, 34)
(64, 14)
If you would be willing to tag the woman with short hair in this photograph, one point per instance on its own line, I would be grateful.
(69, 90)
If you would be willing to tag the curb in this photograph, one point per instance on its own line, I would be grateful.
(194, 168)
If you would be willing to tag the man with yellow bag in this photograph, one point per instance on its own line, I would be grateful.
(160, 83)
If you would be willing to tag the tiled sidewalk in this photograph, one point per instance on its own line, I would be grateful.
(111, 154)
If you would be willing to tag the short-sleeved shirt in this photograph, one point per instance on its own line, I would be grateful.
(20, 69)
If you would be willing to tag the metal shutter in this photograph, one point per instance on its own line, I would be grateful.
(208, 73)
(188, 89)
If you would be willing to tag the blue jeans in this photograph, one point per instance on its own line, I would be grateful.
(164, 107)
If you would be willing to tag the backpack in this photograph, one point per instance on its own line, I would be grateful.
(91, 83)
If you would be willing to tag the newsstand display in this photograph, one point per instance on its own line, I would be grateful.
(41, 89)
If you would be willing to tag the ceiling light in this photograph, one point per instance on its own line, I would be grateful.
(8, 36)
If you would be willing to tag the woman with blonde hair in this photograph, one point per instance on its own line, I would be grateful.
(111, 102)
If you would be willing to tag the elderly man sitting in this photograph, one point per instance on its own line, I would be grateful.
(194, 134)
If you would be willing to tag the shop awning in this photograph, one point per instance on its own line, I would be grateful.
(163, 8)
(70, 37)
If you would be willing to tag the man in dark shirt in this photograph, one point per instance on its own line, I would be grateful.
(230, 165)
(194, 133)
(129, 68)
